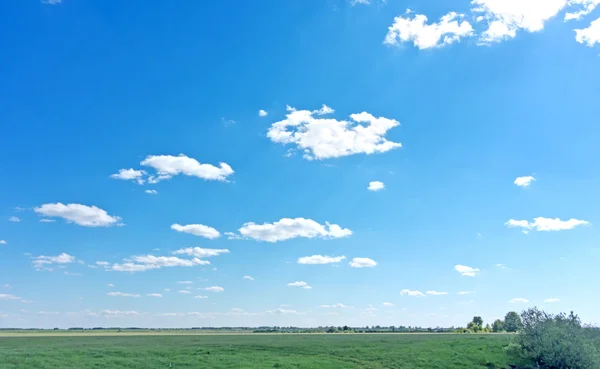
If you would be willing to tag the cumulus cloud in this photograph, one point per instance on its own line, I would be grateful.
(412, 293)
(519, 301)
(262, 113)
(287, 228)
(214, 289)
(319, 259)
(197, 230)
(168, 166)
(149, 262)
(154, 295)
(184, 292)
(376, 186)
(589, 36)
(300, 284)
(466, 270)
(3, 242)
(14, 219)
(151, 192)
(83, 215)
(130, 175)
(362, 263)
(551, 300)
(584, 7)
(42, 262)
(281, 311)
(541, 224)
(121, 294)
(524, 181)
(450, 29)
(247, 277)
(436, 293)
(325, 138)
(505, 17)
(200, 252)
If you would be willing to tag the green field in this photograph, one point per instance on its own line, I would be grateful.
(443, 351)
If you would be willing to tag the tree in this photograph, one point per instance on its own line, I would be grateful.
(478, 321)
(512, 322)
(498, 326)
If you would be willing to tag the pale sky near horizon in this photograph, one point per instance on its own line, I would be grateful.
(334, 162)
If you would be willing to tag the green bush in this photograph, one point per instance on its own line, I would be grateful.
(557, 341)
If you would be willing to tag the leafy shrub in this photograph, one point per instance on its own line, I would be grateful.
(557, 341)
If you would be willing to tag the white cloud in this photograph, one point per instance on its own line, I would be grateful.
(338, 305)
(524, 181)
(248, 278)
(300, 284)
(506, 17)
(501, 266)
(280, 311)
(5, 297)
(585, 8)
(149, 262)
(14, 219)
(185, 282)
(110, 285)
(450, 29)
(69, 273)
(168, 166)
(376, 186)
(41, 262)
(387, 304)
(589, 36)
(197, 230)
(87, 216)
(519, 301)
(324, 110)
(362, 263)
(184, 291)
(214, 289)
(46, 220)
(130, 175)
(436, 293)
(200, 252)
(362, 2)
(200, 297)
(412, 293)
(154, 295)
(119, 313)
(547, 224)
(151, 192)
(121, 294)
(551, 300)
(262, 113)
(324, 138)
(466, 271)
(51, 2)
(3, 242)
(287, 228)
(319, 259)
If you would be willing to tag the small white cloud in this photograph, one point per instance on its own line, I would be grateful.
(450, 29)
(200, 252)
(501, 266)
(287, 228)
(110, 285)
(197, 230)
(121, 294)
(51, 2)
(3, 242)
(325, 138)
(319, 259)
(466, 270)
(247, 277)
(130, 175)
(524, 181)
(589, 36)
(324, 110)
(167, 290)
(262, 113)
(69, 273)
(6, 297)
(200, 297)
(214, 289)
(360, 2)
(280, 311)
(185, 282)
(46, 220)
(585, 8)
(154, 295)
(42, 262)
(519, 301)
(551, 300)
(184, 291)
(387, 304)
(151, 192)
(541, 224)
(362, 263)
(412, 293)
(376, 186)
(149, 262)
(14, 219)
(436, 293)
(300, 284)
(168, 166)
(83, 215)
(338, 305)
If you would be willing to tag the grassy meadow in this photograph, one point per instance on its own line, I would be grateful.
(443, 351)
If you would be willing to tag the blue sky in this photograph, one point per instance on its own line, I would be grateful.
(409, 170)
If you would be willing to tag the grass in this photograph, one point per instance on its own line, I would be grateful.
(373, 351)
